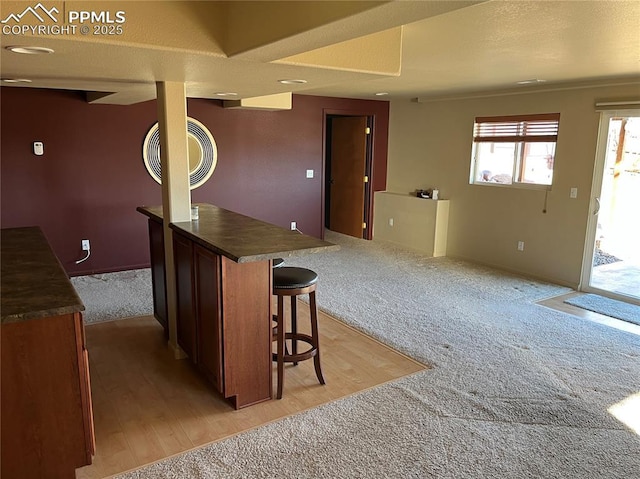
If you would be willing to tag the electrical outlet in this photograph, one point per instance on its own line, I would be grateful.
(85, 245)
(520, 245)
(573, 193)
(309, 173)
(293, 226)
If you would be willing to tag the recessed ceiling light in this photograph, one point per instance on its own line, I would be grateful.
(292, 82)
(15, 80)
(529, 82)
(382, 93)
(223, 93)
(29, 50)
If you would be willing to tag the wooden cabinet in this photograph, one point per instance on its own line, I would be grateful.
(222, 320)
(47, 418)
(158, 273)
(199, 324)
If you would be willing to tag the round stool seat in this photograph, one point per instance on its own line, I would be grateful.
(289, 277)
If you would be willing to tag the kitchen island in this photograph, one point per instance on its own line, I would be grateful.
(223, 280)
(47, 420)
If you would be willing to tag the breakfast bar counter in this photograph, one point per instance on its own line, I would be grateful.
(241, 238)
(223, 277)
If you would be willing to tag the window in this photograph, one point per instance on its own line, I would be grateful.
(514, 150)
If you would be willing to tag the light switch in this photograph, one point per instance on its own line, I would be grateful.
(574, 193)
(38, 148)
(309, 173)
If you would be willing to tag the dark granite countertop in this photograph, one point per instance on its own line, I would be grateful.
(241, 238)
(33, 283)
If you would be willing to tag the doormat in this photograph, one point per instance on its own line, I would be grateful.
(607, 306)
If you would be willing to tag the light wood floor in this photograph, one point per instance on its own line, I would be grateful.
(559, 304)
(148, 406)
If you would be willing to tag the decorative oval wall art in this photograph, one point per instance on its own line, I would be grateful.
(203, 153)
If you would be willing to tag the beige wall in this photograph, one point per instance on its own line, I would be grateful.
(430, 146)
(416, 223)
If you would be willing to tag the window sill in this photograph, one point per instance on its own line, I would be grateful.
(517, 186)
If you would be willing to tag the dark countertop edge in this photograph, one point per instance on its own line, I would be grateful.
(249, 258)
(287, 254)
(45, 313)
(145, 211)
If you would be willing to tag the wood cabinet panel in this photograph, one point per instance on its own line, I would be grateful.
(209, 315)
(223, 320)
(85, 385)
(158, 273)
(47, 425)
(246, 296)
(186, 319)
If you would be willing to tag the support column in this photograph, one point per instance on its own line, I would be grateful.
(176, 194)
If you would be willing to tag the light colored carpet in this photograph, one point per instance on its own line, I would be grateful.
(118, 295)
(517, 390)
(607, 306)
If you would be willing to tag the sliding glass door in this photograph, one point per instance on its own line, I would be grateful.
(612, 253)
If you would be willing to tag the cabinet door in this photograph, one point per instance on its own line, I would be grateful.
(45, 399)
(208, 313)
(156, 246)
(186, 319)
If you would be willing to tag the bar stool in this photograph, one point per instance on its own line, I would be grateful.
(292, 282)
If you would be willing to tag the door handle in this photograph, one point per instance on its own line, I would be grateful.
(597, 210)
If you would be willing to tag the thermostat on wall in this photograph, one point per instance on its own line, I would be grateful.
(38, 148)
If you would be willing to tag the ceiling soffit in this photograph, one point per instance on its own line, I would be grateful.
(379, 53)
(191, 41)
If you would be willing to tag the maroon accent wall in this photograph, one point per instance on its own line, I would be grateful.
(91, 177)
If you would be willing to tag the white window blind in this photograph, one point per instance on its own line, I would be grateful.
(514, 129)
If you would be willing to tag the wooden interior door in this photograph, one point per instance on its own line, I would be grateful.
(348, 166)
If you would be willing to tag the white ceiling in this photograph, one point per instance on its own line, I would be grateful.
(409, 49)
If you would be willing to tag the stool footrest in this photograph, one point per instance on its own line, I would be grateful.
(295, 358)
